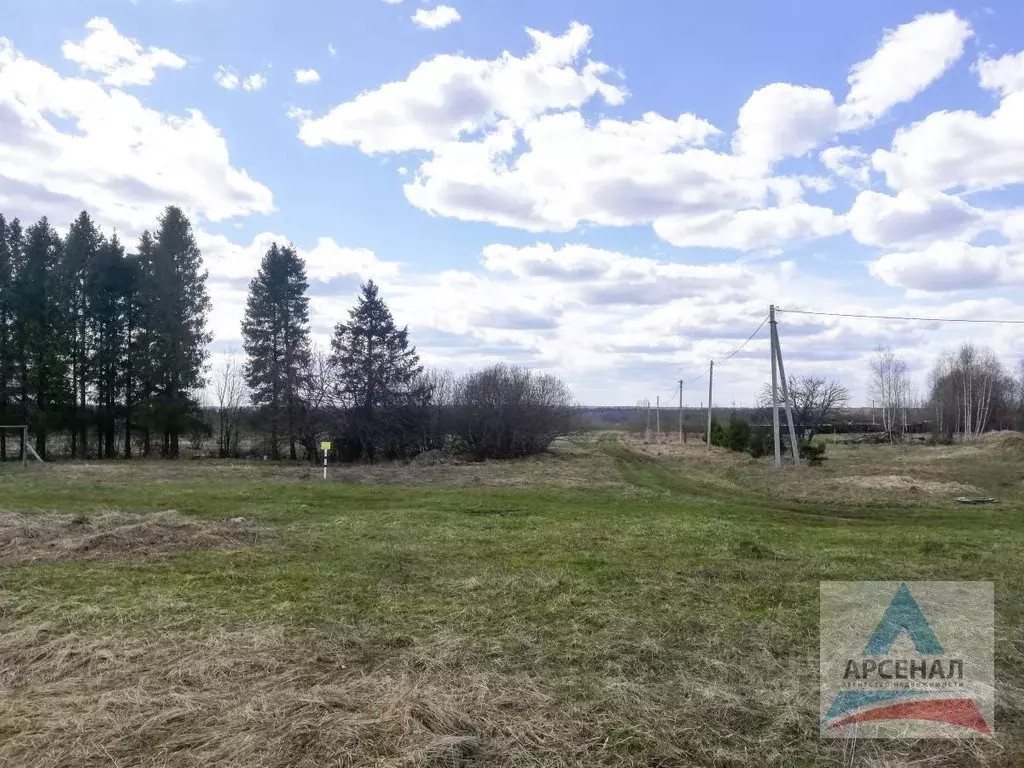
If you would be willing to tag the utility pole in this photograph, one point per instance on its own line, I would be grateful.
(775, 394)
(682, 435)
(657, 415)
(785, 387)
(711, 384)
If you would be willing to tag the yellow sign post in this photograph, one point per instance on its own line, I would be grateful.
(325, 447)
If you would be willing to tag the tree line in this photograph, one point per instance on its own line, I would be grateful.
(107, 348)
(96, 340)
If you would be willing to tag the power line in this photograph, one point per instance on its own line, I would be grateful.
(895, 317)
(741, 346)
(731, 354)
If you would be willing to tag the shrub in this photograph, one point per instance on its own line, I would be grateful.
(504, 411)
(760, 442)
(813, 452)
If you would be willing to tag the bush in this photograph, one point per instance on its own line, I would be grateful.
(760, 442)
(814, 453)
(504, 412)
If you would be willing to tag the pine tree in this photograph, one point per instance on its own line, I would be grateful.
(80, 249)
(276, 339)
(40, 331)
(177, 306)
(379, 377)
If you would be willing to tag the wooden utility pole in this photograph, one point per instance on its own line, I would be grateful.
(775, 394)
(711, 384)
(785, 387)
(682, 434)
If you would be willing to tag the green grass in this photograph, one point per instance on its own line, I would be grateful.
(669, 623)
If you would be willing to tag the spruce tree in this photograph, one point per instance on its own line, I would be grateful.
(276, 339)
(80, 249)
(379, 378)
(177, 306)
(41, 329)
(8, 371)
(140, 368)
(106, 288)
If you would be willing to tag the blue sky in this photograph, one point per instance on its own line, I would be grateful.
(618, 199)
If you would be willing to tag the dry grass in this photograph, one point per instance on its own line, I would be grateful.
(569, 465)
(667, 619)
(33, 538)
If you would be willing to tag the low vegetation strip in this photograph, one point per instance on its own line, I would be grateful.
(669, 618)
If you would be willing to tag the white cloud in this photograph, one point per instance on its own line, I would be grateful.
(121, 60)
(913, 218)
(449, 96)
(848, 163)
(254, 82)
(782, 120)
(951, 266)
(750, 229)
(959, 149)
(614, 173)
(909, 59)
(122, 160)
(393, 2)
(437, 18)
(226, 259)
(227, 78)
(305, 76)
(1005, 74)
(331, 50)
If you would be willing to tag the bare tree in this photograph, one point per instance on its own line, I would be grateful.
(814, 401)
(505, 411)
(232, 394)
(320, 415)
(967, 388)
(890, 389)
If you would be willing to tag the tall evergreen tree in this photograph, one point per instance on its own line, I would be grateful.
(81, 246)
(107, 288)
(135, 366)
(8, 370)
(276, 338)
(40, 331)
(379, 377)
(177, 306)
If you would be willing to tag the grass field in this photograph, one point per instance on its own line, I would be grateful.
(610, 604)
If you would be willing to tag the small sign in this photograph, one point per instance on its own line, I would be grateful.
(325, 446)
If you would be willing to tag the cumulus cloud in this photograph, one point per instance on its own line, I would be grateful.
(1005, 75)
(914, 218)
(435, 18)
(122, 160)
(306, 76)
(909, 59)
(254, 82)
(227, 78)
(958, 150)
(851, 164)
(121, 60)
(782, 120)
(951, 266)
(750, 229)
(327, 260)
(449, 96)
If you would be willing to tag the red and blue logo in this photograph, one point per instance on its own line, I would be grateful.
(933, 690)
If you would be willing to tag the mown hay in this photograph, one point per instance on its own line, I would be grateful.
(27, 538)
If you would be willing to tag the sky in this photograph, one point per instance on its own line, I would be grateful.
(613, 192)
